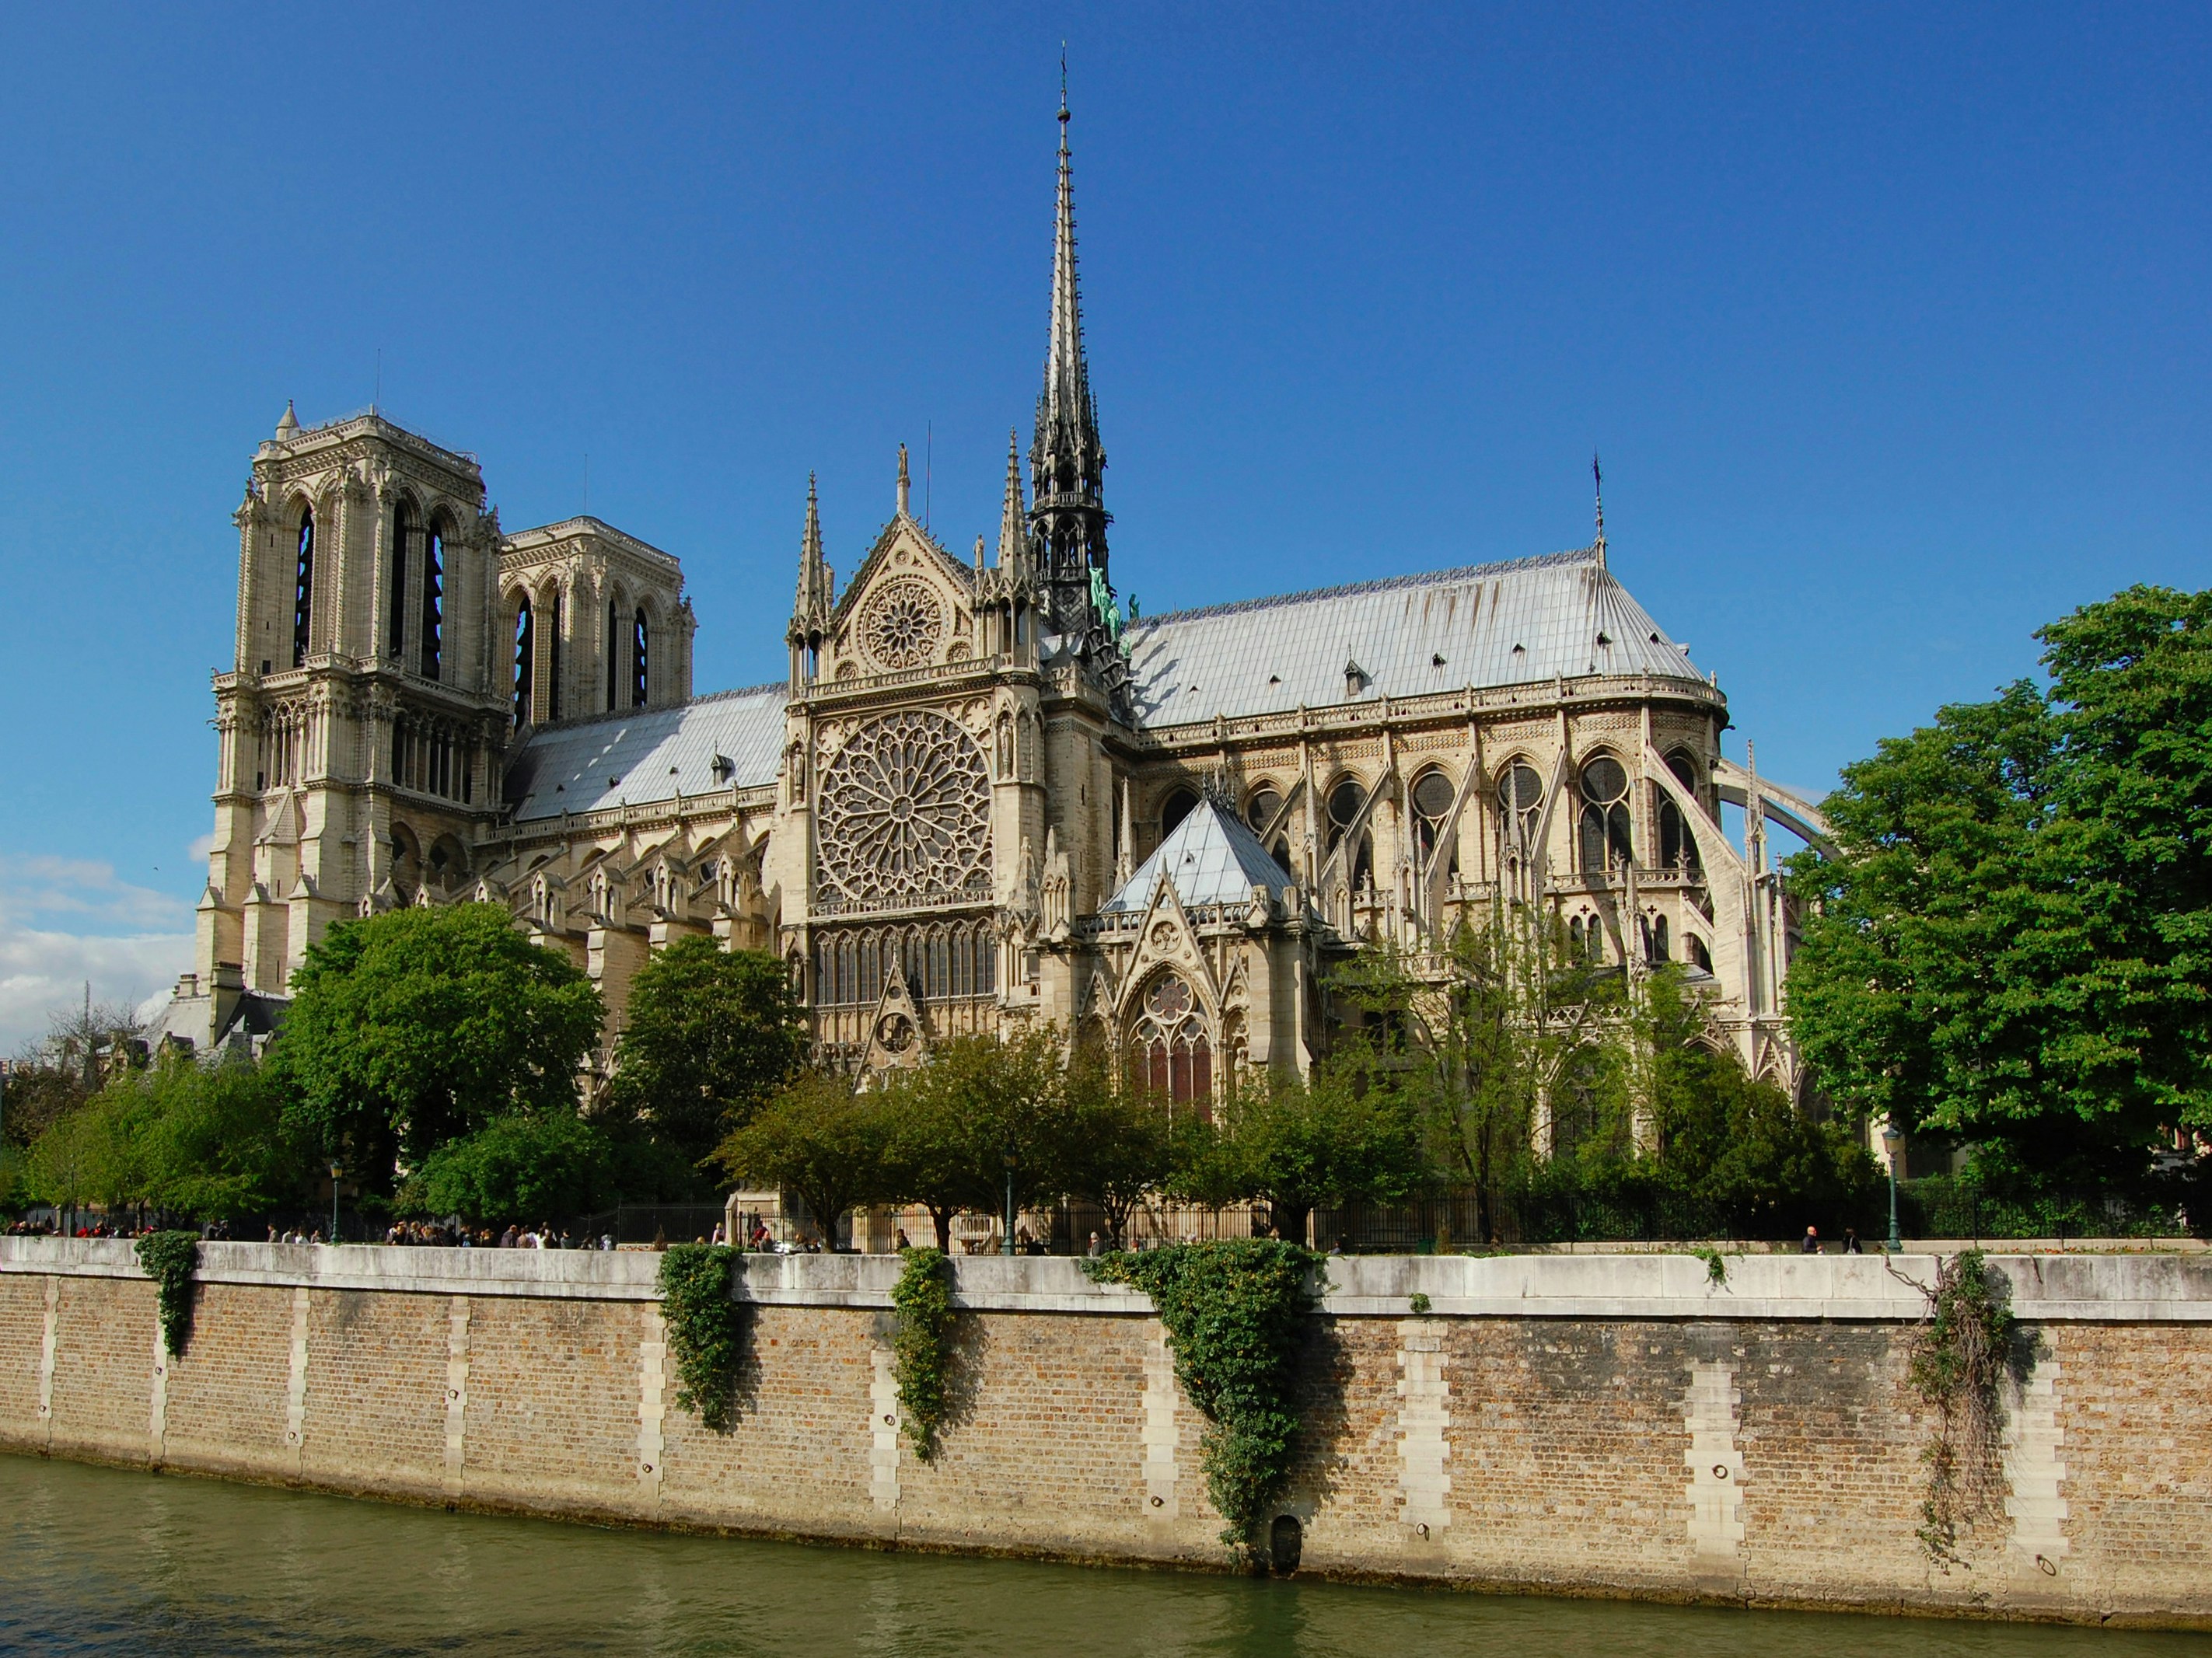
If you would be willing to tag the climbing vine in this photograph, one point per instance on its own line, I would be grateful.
(922, 1349)
(1957, 1366)
(168, 1259)
(1235, 1312)
(705, 1331)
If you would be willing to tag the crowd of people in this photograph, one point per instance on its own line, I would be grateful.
(454, 1234)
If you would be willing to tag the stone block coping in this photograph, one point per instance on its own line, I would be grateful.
(2094, 1288)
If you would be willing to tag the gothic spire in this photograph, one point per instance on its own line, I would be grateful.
(811, 612)
(1011, 515)
(1067, 461)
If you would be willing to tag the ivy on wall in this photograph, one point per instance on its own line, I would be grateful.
(922, 1347)
(1235, 1316)
(168, 1259)
(705, 1333)
(1957, 1366)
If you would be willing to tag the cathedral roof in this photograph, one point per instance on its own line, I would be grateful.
(643, 755)
(1210, 858)
(1516, 622)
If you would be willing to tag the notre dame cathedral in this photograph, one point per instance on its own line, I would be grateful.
(985, 797)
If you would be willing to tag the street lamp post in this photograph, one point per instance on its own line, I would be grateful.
(1891, 1141)
(335, 1172)
(1006, 1242)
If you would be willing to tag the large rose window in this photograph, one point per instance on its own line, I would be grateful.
(905, 812)
(902, 623)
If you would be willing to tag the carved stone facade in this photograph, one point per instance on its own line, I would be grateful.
(987, 795)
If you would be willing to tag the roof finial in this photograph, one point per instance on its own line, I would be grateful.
(1063, 95)
(1598, 479)
(905, 483)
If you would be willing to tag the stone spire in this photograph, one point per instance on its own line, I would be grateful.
(287, 423)
(1067, 461)
(811, 615)
(1012, 534)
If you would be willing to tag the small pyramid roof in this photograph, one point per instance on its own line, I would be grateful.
(1209, 858)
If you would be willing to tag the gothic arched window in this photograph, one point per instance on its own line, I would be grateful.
(1344, 803)
(1169, 1048)
(614, 654)
(637, 660)
(1432, 798)
(525, 661)
(1605, 839)
(303, 588)
(1521, 804)
(553, 656)
(1659, 948)
(434, 599)
(1179, 805)
(405, 532)
(1678, 846)
(1261, 807)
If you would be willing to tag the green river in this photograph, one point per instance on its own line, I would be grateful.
(97, 1560)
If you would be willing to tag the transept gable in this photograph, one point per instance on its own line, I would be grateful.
(911, 604)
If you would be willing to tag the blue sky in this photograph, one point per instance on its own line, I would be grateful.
(1890, 323)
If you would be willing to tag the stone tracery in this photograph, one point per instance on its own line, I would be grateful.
(904, 812)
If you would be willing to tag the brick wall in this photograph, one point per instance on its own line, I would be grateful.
(1594, 1424)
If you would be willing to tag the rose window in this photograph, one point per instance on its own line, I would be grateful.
(905, 812)
(902, 623)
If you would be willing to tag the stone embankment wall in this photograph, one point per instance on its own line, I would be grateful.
(1593, 1425)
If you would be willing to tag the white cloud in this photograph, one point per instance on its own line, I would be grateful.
(199, 849)
(67, 920)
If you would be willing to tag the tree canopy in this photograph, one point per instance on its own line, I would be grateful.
(415, 1027)
(708, 1036)
(2014, 946)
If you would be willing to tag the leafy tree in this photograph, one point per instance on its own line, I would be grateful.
(1737, 1149)
(818, 1140)
(213, 1141)
(984, 1114)
(1116, 1140)
(2015, 945)
(415, 1027)
(1515, 1019)
(39, 1094)
(708, 1035)
(1298, 1146)
(87, 1157)
(524, 1166)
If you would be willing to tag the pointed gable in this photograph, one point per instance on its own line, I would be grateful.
(1209, 858)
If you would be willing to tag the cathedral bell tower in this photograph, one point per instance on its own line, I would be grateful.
(363, 722)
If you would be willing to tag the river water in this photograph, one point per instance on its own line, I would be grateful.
(98, 1560)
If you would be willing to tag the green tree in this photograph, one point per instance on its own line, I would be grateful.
(1509, 1019)
(90, 1157)
(415, 1027)
(983, 1115)
(1116, 1140)
(214, 1143)
(818, 1139)
(1736, 1149)
(709, 1035)
(2015, 944)
(524, 1166)
(1298, 1145)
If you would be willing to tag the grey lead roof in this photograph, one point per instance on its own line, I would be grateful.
(649, 754)
(1210, 858)
(1507, 624)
